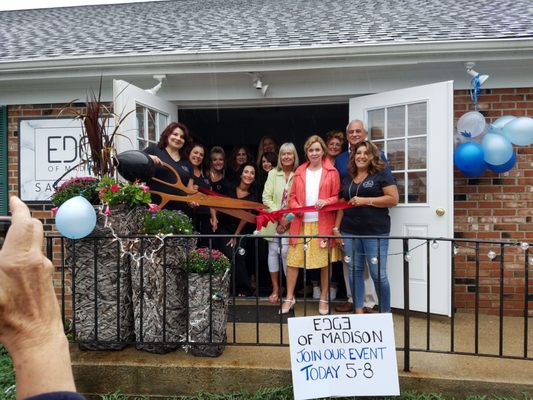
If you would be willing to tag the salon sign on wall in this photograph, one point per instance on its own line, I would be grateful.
(343, 355)
(47, 149)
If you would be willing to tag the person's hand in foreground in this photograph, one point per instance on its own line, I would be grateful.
(30, 320)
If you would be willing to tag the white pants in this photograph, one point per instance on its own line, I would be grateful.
(273, 254)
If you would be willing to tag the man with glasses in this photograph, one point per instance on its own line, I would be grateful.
(355, 133)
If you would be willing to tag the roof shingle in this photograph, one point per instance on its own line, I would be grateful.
(196, 26)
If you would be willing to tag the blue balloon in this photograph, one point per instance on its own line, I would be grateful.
(468, 157)
(504, 167)
(76, 218)
(519, 131)
(497, 126)
(498, 150)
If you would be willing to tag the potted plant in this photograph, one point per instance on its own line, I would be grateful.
(208, 282)
(159, 280)
(100, 264)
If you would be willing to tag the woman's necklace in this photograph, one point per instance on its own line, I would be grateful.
(358, 186)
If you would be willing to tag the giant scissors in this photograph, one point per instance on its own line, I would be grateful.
(228, 205)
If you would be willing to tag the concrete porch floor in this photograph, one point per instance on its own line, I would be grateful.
(251, 367)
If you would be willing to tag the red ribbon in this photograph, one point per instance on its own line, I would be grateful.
(265, 217)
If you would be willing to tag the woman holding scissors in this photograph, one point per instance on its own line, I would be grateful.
(170, 149)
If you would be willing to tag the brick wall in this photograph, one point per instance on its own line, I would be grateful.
(494, 206)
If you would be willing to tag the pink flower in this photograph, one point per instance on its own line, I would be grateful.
(102, 191)
(114, 188)
(153, 208)
(107, 211)
(144, 187)
(54, 210)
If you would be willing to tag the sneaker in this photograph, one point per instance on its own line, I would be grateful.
(316, 292)
(332, 293)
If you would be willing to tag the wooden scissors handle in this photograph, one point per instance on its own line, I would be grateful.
(178, 184)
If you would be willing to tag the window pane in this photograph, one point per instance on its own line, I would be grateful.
(417, 153)
(139, 112)
(162, 124)
(376, 124)
(151, 125)
(395, 121)
(400, 182)
(396, 154)
(142, 144)
(417, 121)
(417, 188)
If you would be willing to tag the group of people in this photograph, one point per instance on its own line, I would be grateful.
(329, 177)
(30, 322)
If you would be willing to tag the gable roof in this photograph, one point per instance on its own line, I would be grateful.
(212, 26)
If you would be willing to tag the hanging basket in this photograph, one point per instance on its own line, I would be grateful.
(159, 293)
(101, 283)
(208, 313)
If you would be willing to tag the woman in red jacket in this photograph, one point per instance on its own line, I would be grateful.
(315, 183)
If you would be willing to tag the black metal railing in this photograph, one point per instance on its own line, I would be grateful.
(489, 303)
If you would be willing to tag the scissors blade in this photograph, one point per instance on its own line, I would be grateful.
(241, 214)
(210, 201)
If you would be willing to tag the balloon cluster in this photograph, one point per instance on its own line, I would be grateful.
(496, 149)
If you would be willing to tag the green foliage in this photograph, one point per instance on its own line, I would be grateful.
(167, 222)
(204, 261)
(83, 186)
(113, 193)
(7, 376)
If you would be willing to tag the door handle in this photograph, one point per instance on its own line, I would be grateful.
(440, 211)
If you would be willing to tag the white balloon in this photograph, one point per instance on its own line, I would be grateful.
(471, 124)
(519, 131)
(76, 218)
(497, 149)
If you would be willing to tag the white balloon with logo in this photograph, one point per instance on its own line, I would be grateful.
(471, 124)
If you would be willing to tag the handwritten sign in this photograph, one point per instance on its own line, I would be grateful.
(343, 355)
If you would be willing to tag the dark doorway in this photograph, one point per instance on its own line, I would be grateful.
(228, 127)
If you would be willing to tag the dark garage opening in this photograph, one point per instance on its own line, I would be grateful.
(228, 127)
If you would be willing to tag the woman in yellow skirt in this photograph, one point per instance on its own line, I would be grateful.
(315, 183)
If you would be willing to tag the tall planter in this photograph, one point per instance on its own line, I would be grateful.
(159, 293)
(208, 313)
(101, 283)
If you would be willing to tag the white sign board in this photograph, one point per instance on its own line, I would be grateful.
(48, 148)
(343, 355)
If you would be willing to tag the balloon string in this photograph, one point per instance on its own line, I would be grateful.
(474, 92)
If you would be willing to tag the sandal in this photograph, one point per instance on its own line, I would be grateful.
(273, 298)
(285, 310)
(323, 311)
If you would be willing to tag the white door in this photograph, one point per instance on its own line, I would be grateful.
(414, 127)
(144, 116)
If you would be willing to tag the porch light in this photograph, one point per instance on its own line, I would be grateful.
(257, 83)
(524, 246)
(156, 88)
(434, 244)
(470, 71)
(491, 254)
(407, 257)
